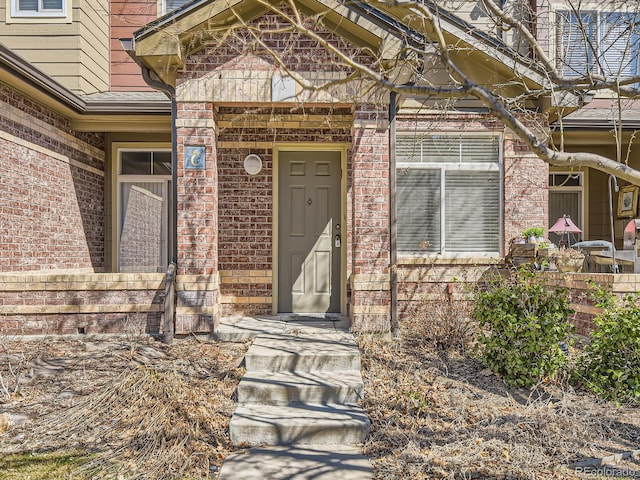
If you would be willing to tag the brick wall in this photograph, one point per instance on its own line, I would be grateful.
(198, 296)
(526, 189)
(369, 308)
(47, 303)
(582, 285)
(52, 184)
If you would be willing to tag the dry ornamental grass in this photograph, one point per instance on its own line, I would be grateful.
(145, 410)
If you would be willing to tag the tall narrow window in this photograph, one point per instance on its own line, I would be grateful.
(578, 43)
(143, 218)
(448, 194)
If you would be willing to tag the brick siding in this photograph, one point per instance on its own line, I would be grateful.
(52, 183)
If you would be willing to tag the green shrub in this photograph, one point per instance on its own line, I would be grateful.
(610, 363)
(523, 325)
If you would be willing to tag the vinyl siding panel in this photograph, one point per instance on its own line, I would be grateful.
(94, 45)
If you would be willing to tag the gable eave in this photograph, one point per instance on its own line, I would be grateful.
(164, 44)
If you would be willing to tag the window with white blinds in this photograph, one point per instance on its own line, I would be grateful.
(593, 42)
(448, 193)
(38, 8)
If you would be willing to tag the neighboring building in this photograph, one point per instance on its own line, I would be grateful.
(283, 195)
(611, 47)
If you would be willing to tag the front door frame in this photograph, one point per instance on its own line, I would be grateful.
(316, 147)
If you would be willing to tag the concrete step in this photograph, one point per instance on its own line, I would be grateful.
(324, 353)
(301, 424)
(308, 462)
(238, 329)
(282, 388)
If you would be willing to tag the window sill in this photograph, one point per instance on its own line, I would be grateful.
(436, 259)
(38, 18)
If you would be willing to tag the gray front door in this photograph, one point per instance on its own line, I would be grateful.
(309, 231)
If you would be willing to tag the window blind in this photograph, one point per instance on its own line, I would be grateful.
(28, 5)
(578, 36)
(619, 44)
(472, 211)
(171, 5)
(418, 210)
(432, 148)
(52, 5)
(448, 193)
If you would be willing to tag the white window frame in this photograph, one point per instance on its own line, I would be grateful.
(41, 12)
(124, 178)
(452, 167)
(571, 189)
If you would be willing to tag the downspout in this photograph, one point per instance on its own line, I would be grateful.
(168, 327)
(393, 230)
(168, 330)
(171, 93)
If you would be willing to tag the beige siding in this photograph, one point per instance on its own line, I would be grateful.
(94, 45)
(75, 54)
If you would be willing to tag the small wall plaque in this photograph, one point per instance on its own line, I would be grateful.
(194, 158)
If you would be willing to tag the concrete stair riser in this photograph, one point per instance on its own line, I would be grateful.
(306, 424)
(290, 353)
(282, 388)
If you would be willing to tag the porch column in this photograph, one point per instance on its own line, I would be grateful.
(526, 185)
(197, 280)
(370, 301)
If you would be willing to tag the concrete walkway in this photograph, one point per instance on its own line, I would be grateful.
(297, 402)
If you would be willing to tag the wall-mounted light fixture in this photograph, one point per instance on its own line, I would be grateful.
(252, 164)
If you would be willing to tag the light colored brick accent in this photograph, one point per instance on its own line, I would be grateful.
(230, 277)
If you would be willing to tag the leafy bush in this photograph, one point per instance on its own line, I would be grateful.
(610, 363)
(523, 324)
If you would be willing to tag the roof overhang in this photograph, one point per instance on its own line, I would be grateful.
(384, 28)
(104, 112)
(488, 60)
(163, 45)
